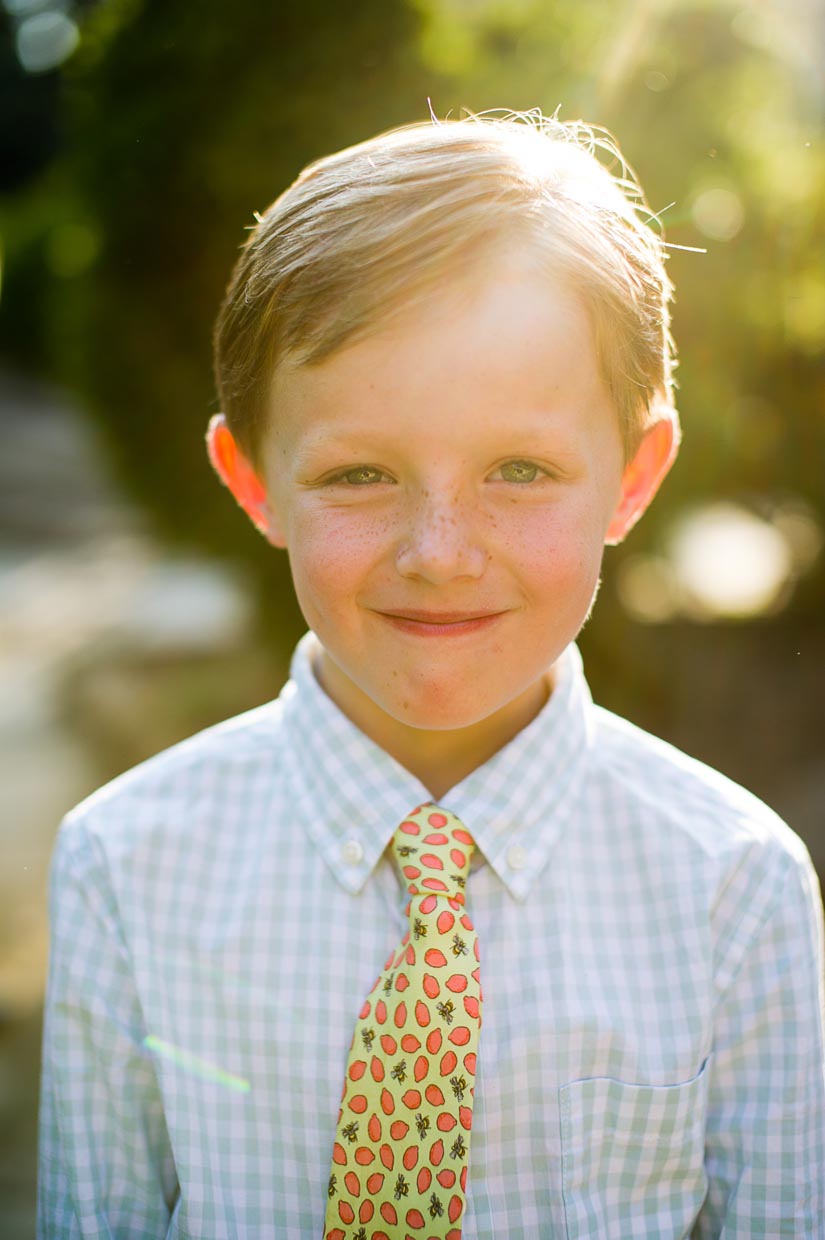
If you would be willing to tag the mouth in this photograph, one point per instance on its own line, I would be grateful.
(440, 623)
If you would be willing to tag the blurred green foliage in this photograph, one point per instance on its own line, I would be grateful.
(180, 119)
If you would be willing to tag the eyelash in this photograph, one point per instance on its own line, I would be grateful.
(346, 476)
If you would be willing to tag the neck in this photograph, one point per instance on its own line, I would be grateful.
(438, 759)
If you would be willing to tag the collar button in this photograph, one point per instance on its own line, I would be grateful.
(516, 857)
(352, 852)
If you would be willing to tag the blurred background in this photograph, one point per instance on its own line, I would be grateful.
(137, 138)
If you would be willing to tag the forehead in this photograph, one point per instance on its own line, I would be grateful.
(509, 341)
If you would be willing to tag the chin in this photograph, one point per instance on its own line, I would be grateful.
(428, 714)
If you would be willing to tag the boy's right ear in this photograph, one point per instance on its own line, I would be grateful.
(236, 473)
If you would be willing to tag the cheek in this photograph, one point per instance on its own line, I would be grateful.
(558, 549)
(331, 554)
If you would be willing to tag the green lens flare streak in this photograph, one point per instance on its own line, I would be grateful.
(193, 1063)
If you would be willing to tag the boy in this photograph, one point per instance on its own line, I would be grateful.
(445, 367)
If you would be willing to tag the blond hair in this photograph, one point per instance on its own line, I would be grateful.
(371, 231)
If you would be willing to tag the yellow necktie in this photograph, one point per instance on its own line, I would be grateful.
(399, 1163)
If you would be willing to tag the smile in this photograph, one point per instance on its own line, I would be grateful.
(440, 623)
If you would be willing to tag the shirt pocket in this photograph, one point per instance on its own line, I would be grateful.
(633, 1157)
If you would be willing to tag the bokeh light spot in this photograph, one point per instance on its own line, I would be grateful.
(723, 562)
(656, 81)
(718, 213)
(646, 589)
(45, 40)
(71, 248)
(729, 562)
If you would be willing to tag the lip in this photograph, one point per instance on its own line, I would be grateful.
(440, 623)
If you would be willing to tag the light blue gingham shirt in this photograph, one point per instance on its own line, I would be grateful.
(651, 1058)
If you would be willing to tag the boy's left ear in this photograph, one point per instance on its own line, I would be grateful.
(236, 473)
(643, 477)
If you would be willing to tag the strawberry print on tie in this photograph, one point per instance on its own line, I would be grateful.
(399, 1162)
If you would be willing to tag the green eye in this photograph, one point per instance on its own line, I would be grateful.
(519, 471)
(362, 475)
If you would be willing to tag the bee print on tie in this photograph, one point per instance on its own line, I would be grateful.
(446, 1011)
(458, 1084)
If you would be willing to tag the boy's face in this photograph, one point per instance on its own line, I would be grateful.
(445, 490)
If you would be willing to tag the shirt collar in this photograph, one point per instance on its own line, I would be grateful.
(352, 795)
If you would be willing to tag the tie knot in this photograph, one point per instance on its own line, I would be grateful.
(432, 849)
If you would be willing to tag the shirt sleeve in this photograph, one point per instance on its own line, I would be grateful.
(765, 1145)
(105, 1162)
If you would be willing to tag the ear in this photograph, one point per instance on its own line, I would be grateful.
(643, 477)
(235, 472)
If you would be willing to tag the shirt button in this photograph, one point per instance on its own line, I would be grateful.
(352, 852)
(516, 857)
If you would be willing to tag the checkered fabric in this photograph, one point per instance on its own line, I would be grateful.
(651, 1062)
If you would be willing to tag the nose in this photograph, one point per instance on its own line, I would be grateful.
(441, 540)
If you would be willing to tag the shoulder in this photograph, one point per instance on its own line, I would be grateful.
(694, 811)
(712, 846)
(181, 799)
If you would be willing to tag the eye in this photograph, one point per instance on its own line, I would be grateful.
(362, 475)
(521, 471)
